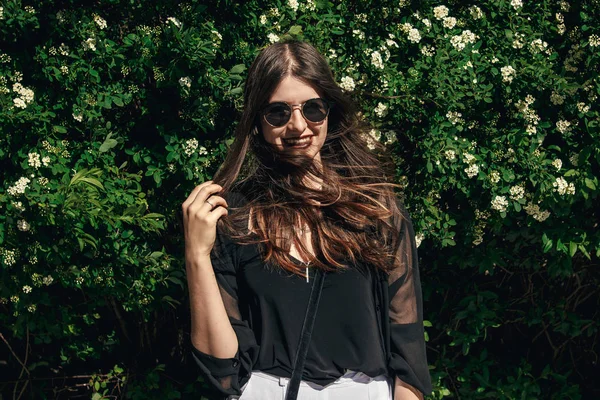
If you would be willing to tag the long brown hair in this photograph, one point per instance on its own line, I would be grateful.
(351, 217)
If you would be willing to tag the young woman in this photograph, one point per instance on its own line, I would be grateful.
(299, 192)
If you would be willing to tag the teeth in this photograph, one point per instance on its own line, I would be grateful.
(297, 141)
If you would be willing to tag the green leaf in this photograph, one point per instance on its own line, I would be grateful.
(572, 249)
(107, 145)
(59, 129)
(295, 30)
(118, 101)
(590, 184)
(93, 181)
(237, 69)
(429, 167)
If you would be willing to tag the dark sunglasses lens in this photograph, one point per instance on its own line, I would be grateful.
(278, 114)
(315, 110)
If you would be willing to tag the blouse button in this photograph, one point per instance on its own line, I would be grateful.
(236, 363)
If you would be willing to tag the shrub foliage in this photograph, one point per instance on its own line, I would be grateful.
(112, 111)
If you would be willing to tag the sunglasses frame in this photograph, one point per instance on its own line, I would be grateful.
(292, 108)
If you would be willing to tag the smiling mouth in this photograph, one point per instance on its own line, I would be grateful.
(298, 142)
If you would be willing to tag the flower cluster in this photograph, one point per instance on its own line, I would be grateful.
(191, 145)
(472, 169)
(535, 211)
(460, 41)
(89, 44)
(494, 177)
(516, 4)
(293, 5)
(428, 50)
(499, 203)
(185, 82)
(347, 84)
(476, 12)
(174, 21)
(380, 110)
(25, 95)
(557, 164)
(594, 40)
(100, 22)
(508, 73)
(376, 59)
(563, 126)
(440, 12)
(450, 155)
(562, 187)
(273, 37)
(529, 114)
(19, 187)
(517, 192)
(454, 117)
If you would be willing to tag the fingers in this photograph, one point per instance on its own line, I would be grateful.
(215, 201)
(199, 195)
(217, 213)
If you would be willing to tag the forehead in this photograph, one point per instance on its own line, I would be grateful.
(294, 91)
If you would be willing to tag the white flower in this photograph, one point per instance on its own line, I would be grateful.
(414, 35)
(174, 21)
(562, 187)
(381, 110)
(19, 187)
(293, 5)
(273, 37)
(19, 103)
(362, 17)
(47, 280)
(89, 44)
(263, 19)
(499, 203)
(563, 126)
(46, 161)
(476, 12)
(557, 164)
(449, 22)
(428, 50)
(516, 4)
(1, 13)
(372, 138)
(537, 46)
(31, 308)
(450, 154)
(508, 73)
(556, 98)
(185, 81)
(440, 12)
(23, 225)
(494, 177)
(34, 160)
(454, 117)
(64, 69)
(190, 146)
(583, 108)
(460, 41)
(534, 210)
(26, 289)
(391, 43)
(517, 192)
(30, 9)
(426, 22)
(78, 117)
(357, 33)
(347, 84)
(376, 60)
(100, 22)
(594, 40)
(472, 170)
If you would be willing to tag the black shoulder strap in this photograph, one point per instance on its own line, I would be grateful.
(307, 328)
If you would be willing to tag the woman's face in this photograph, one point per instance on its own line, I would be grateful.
(285, 138)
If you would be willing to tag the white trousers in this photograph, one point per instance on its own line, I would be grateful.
(352, 386)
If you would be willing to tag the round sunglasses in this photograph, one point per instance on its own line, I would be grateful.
(278, 114)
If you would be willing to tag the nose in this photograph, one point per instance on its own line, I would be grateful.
(297, 121)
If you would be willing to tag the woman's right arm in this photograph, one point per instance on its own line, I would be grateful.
(211, 330)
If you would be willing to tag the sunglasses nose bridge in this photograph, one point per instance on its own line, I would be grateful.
(293, 120)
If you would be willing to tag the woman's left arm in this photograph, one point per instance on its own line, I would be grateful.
(408, 358)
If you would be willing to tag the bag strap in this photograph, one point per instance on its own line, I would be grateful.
(307, 328)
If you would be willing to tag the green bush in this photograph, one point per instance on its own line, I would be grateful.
(112, 112)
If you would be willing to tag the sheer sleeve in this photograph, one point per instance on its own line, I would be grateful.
(408, 358)
(227, 376)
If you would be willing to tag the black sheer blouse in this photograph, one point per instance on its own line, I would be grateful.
(266, 307)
